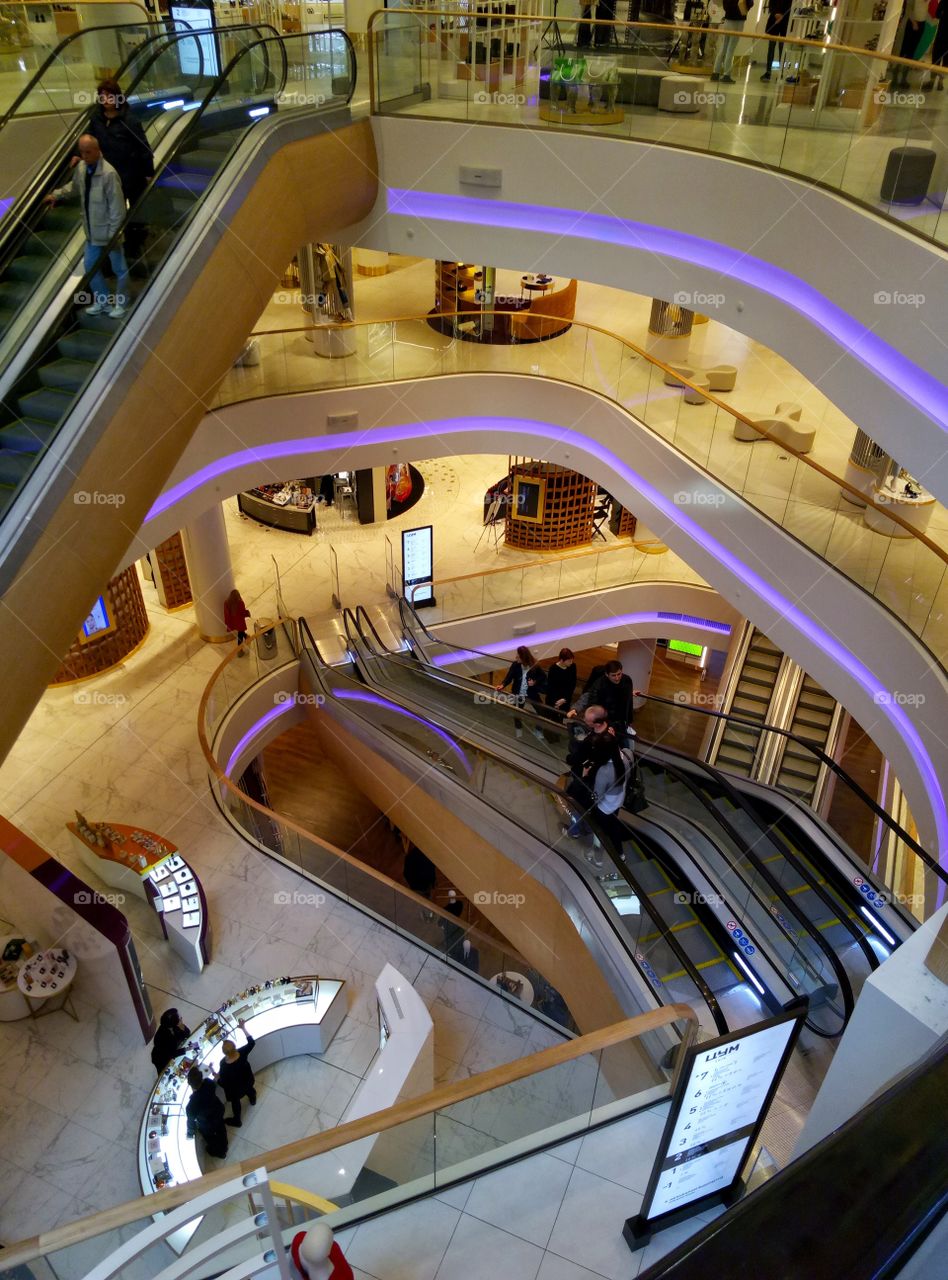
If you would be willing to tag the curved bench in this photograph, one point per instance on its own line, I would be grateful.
(557, 308)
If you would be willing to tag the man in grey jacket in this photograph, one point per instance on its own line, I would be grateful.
(97, 187)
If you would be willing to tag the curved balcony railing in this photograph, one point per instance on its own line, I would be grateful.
(905, 574)
(828, 113)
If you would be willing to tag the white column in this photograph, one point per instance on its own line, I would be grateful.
(209, 567)
(637, 657)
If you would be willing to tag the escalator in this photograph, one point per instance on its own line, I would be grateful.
(631, 905)
(41, 249)
(812, 722)
(746, 964)
(736, 748)
(802, 872)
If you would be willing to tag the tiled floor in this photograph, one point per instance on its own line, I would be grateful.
(557, 1215)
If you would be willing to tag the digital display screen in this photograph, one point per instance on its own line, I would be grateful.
(197, 57)
(418, 564)
(97, 621)
(685, 646)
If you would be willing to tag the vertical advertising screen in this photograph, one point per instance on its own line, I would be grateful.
(197, 57)
(724, 1090)
(418, 565)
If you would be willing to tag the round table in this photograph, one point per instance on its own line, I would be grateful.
(527, 994)
(533, 284)
(46, 976)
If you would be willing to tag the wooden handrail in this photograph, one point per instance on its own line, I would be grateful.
(299, 1195)
(446, 1095)
(648, 26)
(647, 356)
(341, 856)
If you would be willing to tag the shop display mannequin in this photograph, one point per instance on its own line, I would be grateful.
(316, 1256)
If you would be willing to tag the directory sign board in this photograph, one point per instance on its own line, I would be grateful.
(418, 565)
(724, 1089)
(198, 56)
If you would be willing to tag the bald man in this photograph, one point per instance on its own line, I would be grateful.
(96, 186)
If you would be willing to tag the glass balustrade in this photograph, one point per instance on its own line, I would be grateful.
(829, 113)
(906, 574)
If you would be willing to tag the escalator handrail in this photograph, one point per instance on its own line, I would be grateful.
(768, 831)
(461, 683)
(350, 621)
(54, 326)
(824, 759)
(20, 220)
(809, 928)
(55, 54)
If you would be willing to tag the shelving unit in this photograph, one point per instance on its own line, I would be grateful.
(172, 583)
(565, 514)
(451, 279)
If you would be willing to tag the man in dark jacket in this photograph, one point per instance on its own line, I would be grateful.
(235, 1076)
(123, 143)
(205, 1113)
(613, 690)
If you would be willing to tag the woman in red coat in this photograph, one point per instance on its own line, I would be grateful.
(236, 614)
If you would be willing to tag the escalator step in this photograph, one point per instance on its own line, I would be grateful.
(7, 316)
(200, 160)
(51, 240)
(45, 405)
(27, 437)
(14, 466)
(6, 496)
(60, 218)
(14, 293)
(65, 375)
(84, 344)
(28, 266)
(97, 324)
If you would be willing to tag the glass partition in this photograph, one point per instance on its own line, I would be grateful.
(905, 573)
(831, 113)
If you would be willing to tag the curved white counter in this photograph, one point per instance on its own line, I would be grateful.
(287, 1017)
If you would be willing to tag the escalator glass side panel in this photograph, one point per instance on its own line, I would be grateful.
(320, 67)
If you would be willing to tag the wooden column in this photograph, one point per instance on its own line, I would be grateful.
(550, 507)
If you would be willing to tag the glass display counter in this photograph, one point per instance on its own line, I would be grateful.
(286, 1017)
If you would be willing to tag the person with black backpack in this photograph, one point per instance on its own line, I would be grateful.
(606, 776)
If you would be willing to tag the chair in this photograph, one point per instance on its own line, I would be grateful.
(692, 394)
(600, 517)
(781, 429)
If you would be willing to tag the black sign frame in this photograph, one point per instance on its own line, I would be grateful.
(409, 583)
(638, 1230)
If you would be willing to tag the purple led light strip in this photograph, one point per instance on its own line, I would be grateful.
(542, 433)
(359, 695)
(255, 730)
(904, 377)
(579, 629)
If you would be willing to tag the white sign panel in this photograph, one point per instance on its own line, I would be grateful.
(418, 564)
(727, 1090)
(196, 61)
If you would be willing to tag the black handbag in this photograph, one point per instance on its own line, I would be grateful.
(635, 797)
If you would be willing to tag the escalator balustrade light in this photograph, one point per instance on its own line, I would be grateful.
(876, 925)
(174, 102)
(258, 111)
(747, 969)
